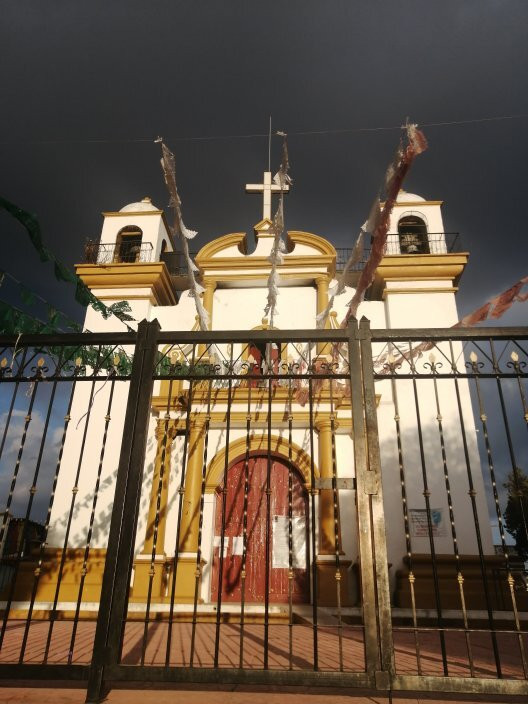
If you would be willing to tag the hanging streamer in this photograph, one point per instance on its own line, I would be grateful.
(394, 177)
(282, 179)
(184, 234)
(493, 309)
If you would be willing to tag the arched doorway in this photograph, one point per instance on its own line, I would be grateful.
(256, 533)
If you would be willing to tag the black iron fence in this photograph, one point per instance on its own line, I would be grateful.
(121, 252)
(266, 506)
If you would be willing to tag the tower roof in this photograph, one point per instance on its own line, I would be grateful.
(404, 197)
(144, 205)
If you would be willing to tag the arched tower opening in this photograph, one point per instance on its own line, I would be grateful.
(412, 232)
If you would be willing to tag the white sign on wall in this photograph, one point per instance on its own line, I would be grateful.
(419, 527)
(280, 529)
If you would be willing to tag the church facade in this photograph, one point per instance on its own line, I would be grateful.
(201, 449)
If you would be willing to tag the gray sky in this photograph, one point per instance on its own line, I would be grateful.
(127, 71)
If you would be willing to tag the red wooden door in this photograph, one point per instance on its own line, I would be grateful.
(256, 534)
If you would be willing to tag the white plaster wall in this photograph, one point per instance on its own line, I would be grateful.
(89, 463)
(152, 227)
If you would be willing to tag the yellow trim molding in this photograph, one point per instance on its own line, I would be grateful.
(208, 251)
(237, 449)
(418, 267)
(138, 275)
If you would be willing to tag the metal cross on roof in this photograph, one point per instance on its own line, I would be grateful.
(267, 189)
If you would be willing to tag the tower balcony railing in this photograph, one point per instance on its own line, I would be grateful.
(117, 252)
(436, 243)
(405, 243)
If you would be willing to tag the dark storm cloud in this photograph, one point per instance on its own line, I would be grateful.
(130, 70)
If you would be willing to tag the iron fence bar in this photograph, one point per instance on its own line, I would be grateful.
(337, 524)
(222, 533)
(200, 526)
(290, 526)
(511, 450)
(74, 491)
(91, 521)
(32, 492)
(181, 494)
(375, 499)
(159, 489)
(472, 495)
(426, 495)
(268, 516)
(454, 539)
(408, 545)
(118, 564)
(14, 478)
(443, 334)
(244, 529)
(42, 546)
(366, 562)
(522, 394)
(313, 517)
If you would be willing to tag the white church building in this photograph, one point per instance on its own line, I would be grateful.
(136, 260)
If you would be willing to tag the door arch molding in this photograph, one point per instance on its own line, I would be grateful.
(258, 444)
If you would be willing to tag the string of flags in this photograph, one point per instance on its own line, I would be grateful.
(276, 258)
(178, 229)
(379, 218)
(83, 295)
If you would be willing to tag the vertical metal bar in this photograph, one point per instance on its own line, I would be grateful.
(161, 479)
(118, 565)
(14, 478)
(268, 518)
(381, 564)
(401, 465)
(313, 515)
(75, 489)
(337, 544)
(42, 547)
(200, 525)
(511, 451)
(472, 495)
(290, 527)
(91, 521)
(458, 565)
(224, 509)
(244, 527)
(491, 467)
(32, 491)
(366, 561)
(427, 495)
(181, 492)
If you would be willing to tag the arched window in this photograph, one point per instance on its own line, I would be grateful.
(412, 232)
(128, 245)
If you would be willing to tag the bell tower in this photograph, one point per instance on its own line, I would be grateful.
(125, 264)
(419, 273)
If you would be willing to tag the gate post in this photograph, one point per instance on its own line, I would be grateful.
(381, 568)
(119, 555)
(363, 489)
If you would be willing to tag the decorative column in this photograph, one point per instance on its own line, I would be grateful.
(142, 565)
(190, 513)
(329, 578)
(322, 301)
(326, 494)
(208, 299)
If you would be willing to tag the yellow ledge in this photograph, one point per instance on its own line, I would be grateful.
(418, 267)
(154, 275)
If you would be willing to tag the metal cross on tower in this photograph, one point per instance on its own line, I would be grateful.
(267, 188)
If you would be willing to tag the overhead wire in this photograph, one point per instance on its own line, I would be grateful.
(264, 135)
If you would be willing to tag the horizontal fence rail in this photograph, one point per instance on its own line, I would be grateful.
(453, 448)
(344, 507)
